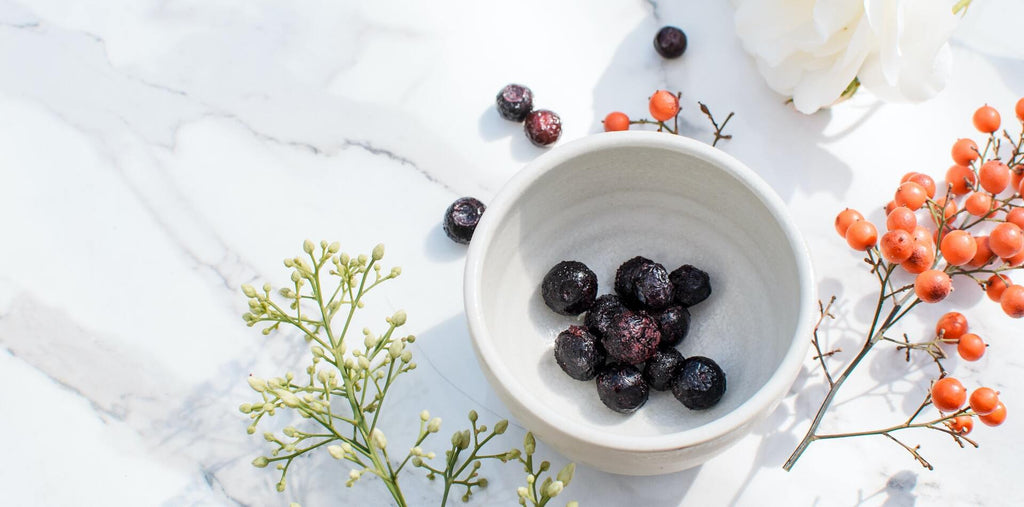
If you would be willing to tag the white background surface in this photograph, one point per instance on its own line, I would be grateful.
(156, 155)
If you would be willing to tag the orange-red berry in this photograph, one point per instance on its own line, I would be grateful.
(958, 247)
(994, 176)
(978, 204)
(996, 417)
(910, 194)
(995, 285)
(616, 121)
(901, 218)
(970, 347)
(1012, 301)
(986, 119)
(896, 246)
(1020, 109)
(948, 394)
(951, 326)
(983, 400)
(1016, 217)
(962, 424)
(932, 286)
(983, 255)
(664, 105)
(1006, 240)
(965, 151)
(961, 178)
(861, 235)
(845, 218)
(921, 258)
(925, 181)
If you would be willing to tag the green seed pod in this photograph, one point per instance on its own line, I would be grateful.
(307, 246)
(424, 416)
(335, 451)
(529, 444)
(248, 290)
(500, 427)
(333, 248)
(565, 475)
(378, 252)
(472, 415)
(260, 462)
(398, 319)
(280, 486)
(554, 489)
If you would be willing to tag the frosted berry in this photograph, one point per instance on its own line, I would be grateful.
(578, 353)
(633, 337)
(461, 217)
(622, 388)
(542, 127)
(606, 308)
(569, 288)
(692, 285)
(670, 42)
(700, 383)
(514, 102)
(662, 368)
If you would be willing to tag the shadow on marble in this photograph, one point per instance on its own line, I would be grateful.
(765, 128)
(898, 491)
(438, 247)
(493, 127)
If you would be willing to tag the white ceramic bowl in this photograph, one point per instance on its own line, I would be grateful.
(602, 200)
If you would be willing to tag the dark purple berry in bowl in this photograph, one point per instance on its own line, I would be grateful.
(621, 388)
(651, 286)
(632, 337)
(542, 127)
(624, 280)
(600, 316)
(569, 288)
(670, 42)
(662, 368)
(461, 217)
(578, 353)
(692, 285)
(674, 323)
(700, 383)
(514, 102)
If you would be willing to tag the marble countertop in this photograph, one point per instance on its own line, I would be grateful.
(157, 155)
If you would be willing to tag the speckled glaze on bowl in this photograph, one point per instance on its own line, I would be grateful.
(604, 199)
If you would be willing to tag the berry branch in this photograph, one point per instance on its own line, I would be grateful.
(955, 249)
(664, 106)
(344, 396)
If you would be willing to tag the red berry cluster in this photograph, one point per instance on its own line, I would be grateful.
(978, 223)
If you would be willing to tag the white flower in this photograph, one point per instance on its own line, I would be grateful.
(812, 50)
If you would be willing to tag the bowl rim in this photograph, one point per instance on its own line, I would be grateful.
(763, 399)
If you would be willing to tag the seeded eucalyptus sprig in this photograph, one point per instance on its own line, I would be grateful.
(344, 395)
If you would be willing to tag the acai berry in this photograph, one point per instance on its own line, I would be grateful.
(632, 338)
(674, 323)
(692, 285)
(461, 217)
(569, 288)
(621, 388)
(599, 318)
(662, 368)
(578, 353)
(699, 384)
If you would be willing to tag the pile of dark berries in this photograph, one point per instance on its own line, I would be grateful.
(515, 103)
(628, 339)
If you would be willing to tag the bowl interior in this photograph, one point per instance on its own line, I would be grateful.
(603, 207)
